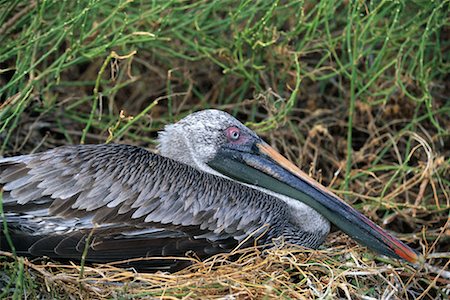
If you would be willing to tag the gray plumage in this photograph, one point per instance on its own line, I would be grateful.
(142, 204)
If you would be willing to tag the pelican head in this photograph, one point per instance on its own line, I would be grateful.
(196, 139)
(215, 142)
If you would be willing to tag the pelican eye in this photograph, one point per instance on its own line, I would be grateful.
(233, 133)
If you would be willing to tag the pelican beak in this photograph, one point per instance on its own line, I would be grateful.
(263, 166)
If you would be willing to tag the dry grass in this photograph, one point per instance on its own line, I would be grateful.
(281, 272)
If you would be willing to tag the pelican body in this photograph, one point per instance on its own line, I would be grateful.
(214, 185)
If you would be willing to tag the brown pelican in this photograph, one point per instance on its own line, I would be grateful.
(215, 184)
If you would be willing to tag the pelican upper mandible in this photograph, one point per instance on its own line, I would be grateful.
(214, 184)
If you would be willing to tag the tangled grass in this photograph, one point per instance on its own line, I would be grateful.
(280, 272)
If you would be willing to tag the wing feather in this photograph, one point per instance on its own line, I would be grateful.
(129, 186)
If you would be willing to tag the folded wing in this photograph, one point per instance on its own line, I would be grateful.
(134, 203)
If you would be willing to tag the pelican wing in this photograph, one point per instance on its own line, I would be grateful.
(134, 202)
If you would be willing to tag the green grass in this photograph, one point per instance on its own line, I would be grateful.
(355, 92)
